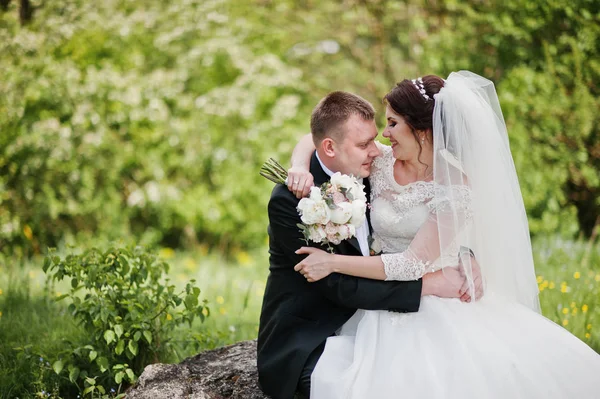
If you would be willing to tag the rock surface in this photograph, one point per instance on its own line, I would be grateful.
(228, 372)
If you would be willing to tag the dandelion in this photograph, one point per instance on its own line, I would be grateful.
(588, 327)
(565, 311)
(573, 304)
(565, 322)
(576, 275)
(223, 311)
(564, 289)
(574, 311)
(540, 279)
(220, 300)
(588, 335)
(584, 308)
(551, 285)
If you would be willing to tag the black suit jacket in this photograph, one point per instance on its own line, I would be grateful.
(297, 316)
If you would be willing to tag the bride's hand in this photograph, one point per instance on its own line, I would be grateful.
(299, 181)
(317, 265)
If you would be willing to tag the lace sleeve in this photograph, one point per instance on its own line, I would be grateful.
(400, 267)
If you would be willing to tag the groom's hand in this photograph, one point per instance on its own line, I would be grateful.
(445, 283)
(299, 181)
(470, 270)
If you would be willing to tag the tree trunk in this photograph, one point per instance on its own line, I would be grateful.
(25, 12)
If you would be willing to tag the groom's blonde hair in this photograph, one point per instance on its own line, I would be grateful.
(330, 114)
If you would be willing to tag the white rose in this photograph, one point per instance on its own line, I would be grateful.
(317, 233)
(358, 192)
(342, 213)
(359, 211)
(315, 194)
(312, 212)
(341, 180)
(347, 231)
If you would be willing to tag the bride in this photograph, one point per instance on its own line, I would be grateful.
(447, 183)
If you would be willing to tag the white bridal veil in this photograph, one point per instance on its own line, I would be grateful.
(478, 202)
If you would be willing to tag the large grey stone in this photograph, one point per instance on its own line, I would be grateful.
(228, 372)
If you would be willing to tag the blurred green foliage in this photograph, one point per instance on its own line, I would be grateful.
(150, 119)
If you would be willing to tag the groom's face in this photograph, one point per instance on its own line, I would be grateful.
(354, 154)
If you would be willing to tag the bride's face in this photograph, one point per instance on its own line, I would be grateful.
(404, 144)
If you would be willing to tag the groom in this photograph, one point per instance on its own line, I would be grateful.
(297, 317)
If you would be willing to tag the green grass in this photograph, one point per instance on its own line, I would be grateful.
(568, 276)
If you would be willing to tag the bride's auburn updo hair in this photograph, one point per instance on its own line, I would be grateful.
(413, 100)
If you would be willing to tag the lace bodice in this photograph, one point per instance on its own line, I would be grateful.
(397, 214)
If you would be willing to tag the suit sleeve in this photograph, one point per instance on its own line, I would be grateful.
(348, 291)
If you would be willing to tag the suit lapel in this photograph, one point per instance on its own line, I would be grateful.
(367, 185)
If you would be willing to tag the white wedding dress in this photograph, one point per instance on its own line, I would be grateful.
(492, 348)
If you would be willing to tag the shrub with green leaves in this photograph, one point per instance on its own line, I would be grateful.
(125, 302)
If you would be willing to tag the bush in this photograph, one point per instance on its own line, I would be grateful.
(128, 308)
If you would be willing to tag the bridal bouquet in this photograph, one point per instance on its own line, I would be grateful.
(332, 212)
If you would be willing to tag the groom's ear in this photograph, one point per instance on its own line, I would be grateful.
(327, 145)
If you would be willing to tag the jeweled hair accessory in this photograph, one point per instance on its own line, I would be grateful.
(421, 87)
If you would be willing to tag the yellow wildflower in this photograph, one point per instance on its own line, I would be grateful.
(584, 308)
(573, 304)
(166, 253)
(551, 285)
(540, 279)
(189, 264)
(565, 311)
(220, 300)
(574, 311)
(564, 289)
(28, 233)
(588, 327)
(565, 322)
(243, 258)
(169, 317)
(576, 275)
(588, 335)
(222, 311)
